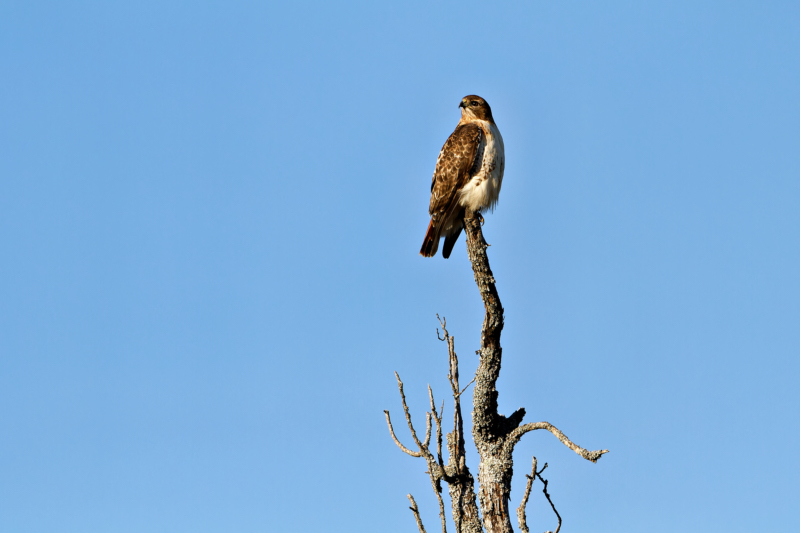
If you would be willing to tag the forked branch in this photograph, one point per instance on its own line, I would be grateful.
(523, 524)
(435, 471)
(420, 445)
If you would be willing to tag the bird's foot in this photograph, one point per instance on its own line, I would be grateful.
(481, 219)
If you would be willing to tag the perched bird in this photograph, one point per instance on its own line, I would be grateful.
(468, 175)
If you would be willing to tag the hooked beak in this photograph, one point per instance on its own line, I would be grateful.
(462, 104)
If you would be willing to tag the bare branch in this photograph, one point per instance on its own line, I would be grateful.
(515, 435)
(399, 444)
(523, 525)
(422, 448)
(437, 489)
(436, 479)
(415, 510)
(427, 431)
(549, 500)
(456, 473)
(459, 479)
(438, 420)
(466, 386)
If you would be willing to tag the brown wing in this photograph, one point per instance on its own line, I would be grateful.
(453, 168)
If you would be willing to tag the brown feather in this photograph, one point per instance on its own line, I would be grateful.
(430, 244)
(455, 166)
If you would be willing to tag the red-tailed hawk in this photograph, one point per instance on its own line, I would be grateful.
(469, 172)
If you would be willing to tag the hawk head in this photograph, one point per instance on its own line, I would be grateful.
(474, 107)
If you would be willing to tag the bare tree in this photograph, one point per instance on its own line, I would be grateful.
(495, 435)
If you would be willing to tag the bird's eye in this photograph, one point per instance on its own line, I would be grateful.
(474, 103)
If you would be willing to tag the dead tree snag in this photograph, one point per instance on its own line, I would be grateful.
(494, 435)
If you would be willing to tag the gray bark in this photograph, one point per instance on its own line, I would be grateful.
(494, 435)
(489, 428)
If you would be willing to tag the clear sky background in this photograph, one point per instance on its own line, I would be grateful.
(210, 216)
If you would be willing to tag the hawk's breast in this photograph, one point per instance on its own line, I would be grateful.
(483, 190)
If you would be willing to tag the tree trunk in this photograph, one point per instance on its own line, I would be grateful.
(489, 428)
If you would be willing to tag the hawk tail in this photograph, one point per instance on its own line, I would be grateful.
(449, 242)
(431, 242)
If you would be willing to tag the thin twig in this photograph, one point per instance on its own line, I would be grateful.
(408, 419)
(437, 418)
(551, 501)
(523, 524)
(415, 510)
(466, 386)
(427, 431)
(452, 376)
(515, 435)
(436, 480)
(443, 322)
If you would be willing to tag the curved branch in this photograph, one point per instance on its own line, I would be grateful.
(515, 435)
(399, 444)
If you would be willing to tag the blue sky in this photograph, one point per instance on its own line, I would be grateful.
(210, 217)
